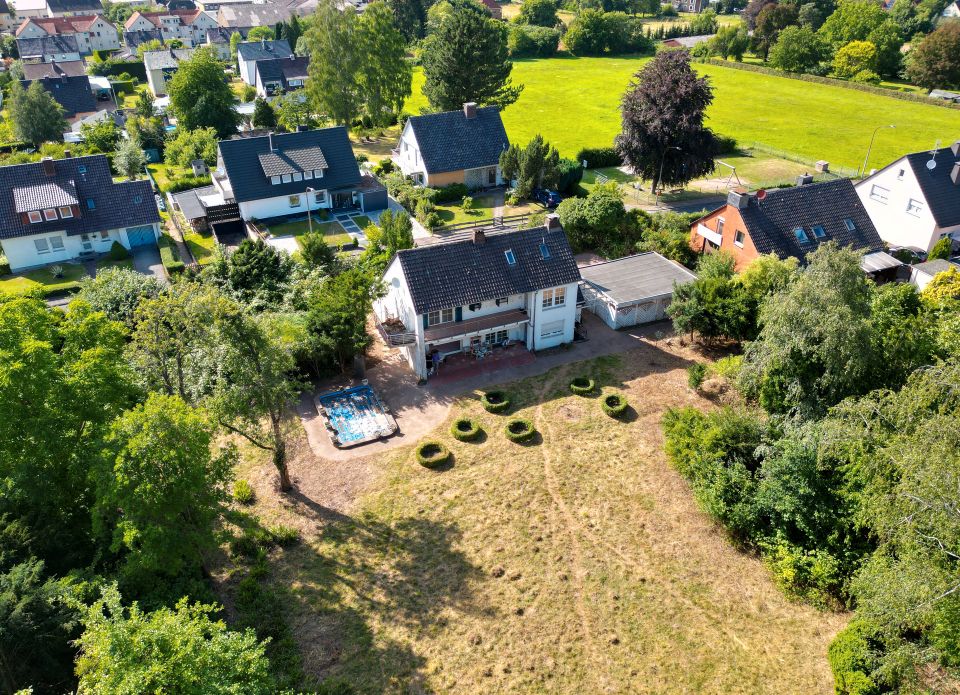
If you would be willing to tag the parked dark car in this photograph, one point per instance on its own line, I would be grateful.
(908, 254)
(547, 198)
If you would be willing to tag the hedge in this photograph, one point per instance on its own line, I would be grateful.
(184, 183)
(449, 194)
(597, 157)
(431, 454)
(169, 256)
(614, 405)
(123, 86)
(859, 86)
(581, 385)
(495, 401)
(525, 40)
(464, 429)
(519, 430)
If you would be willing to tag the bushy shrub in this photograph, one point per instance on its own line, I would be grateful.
(431, 454)
(525, 40)
(183, 183)
(383, 167)
(866, 77)
(810, 575)
(597, 157)
(569, 175)
(724, 144)
(243, 492)
(464, 429)
(4, 266)
(581, 385)
(448, 194)
(495, 401)
(727, 367)
(614, 404)
(942, 249)
(852, 659)
(519, 430)
(117, 252)
(696, 373)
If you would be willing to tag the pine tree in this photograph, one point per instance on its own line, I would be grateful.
(263, 115)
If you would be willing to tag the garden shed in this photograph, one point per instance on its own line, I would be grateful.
(633, 290)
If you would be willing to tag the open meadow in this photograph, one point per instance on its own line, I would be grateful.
(574, 103)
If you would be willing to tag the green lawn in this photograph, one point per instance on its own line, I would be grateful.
(22, 283)
(202, 246)
(483, 205)
(163, 174)
(333, 233)
(573, 103)
(362, 221)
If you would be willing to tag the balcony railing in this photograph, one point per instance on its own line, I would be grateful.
(394, 333)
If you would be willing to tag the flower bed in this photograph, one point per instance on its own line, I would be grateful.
(582, 385)
(465, 430)
(519, 430)
(495, 401)
(432, 454)
(614, 405)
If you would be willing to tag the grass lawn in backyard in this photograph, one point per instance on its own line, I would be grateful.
(362, 221)
(377, 147)
(574, 103)
(578, 563)
(202, 246)
(22, 283)
(333, 233)
(483, 206)
(163, 173)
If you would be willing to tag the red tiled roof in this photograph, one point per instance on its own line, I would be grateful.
(61, 25)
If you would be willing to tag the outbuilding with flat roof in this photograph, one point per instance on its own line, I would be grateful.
(632, 290)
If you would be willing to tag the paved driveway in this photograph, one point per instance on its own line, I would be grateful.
(146, 260)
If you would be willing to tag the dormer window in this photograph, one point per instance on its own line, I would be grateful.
(307, 175)
(298, 176)
(286, 178)
(49, 214)
(34, 217)
(65, 212)
(511, 258)
(318, 173)
(275, 180)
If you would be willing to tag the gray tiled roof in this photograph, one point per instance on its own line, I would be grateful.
(282, 70)
(35, 71)
(222, 35)
(635, 278)
(460, 273)
(449, 141)
(72, 93)
(75, 6)
(190, 204)
(771, 222)
(252, 15)
(115, 205)
(939, 190)
(241, 160)
(261, 50)
(132, 39)
(290, 161)
(937, 265)
(48, 45)
(167, 58)
(44, 195)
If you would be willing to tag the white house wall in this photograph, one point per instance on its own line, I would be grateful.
(398, 304)
(540, 317)
(894, 224)
(408, 158)
(266, 208)
(21, 252)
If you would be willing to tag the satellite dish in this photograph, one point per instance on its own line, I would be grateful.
(932, 164)
(761, 194)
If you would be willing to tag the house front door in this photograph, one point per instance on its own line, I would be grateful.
(342, 200)
(85, 243)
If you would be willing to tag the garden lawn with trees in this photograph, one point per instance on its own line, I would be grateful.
(574, 103)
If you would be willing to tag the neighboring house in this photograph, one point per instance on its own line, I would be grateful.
(915, 200)
(8, 19)
(27, 8)
(211, 6)
(230, 16)
(687, 41)
(59, 210)
(439, 149)
(133, 39)
(161, 66)
(92, 31)
(689, 5)
(49, 49)
(219, 39)
(922, 273)
(72, 93)
(249, 52)
(278, 176)
(447, 297)
(68, 8)
(276, 75)
(189, 26)
(787, 222)
(37, 71)
(945, 95)
(951, 11)
(116, 116)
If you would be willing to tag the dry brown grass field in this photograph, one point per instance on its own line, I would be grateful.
(576, 563)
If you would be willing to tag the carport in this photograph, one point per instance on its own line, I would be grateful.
(632, 290)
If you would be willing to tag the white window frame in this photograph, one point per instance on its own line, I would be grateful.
(42, 245)
(34, 216)
(294, 201)
(435, 318)
(275, 180)
(286, 178)
(54, 241)
(914, 207)
(298, 176)
(65, 212)
(319, 197)
(307, 175)
(554, 298)
(49, 214)
(553, 329)
(738, 234)
(318, 173)
(879, 194)
(720, 222)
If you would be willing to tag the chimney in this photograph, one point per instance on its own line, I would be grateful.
(955, 174)
(478, 236)
(48, 166)
(738, 198)
(804, 179)
(470, 109)
(270, 141)
(552, 222)
(66, 154)
(955, 148)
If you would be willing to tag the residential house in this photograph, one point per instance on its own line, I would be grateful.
(219, 40)
(285, 175)
(161, 66)
(439, 149)
(944, 95)
(92, 31)
(922, 273)
(276, 75)
(21, 9)
(8, 21)
(952, 10)
(49, 49)
(69, 8)
(915, 200)
(787, 222)
(72, 93)
(59, 210)
(689, 5)
(490, 288)
(37, 71)
(211, 6)
(251, 15)
(249, 52)
(133, 39)
(189, 26)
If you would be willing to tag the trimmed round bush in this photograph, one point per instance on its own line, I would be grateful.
(495, 401)
(614, 405)
(582, 385)
(432, 454)
(464, 429)
(519, 430)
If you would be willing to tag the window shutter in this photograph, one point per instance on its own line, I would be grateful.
(459, 313)
(426, 321)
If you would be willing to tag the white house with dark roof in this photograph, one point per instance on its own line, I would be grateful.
(915, 200)
(464, 146)
(162, 65)
(249, 52)
(276, 75)
(487, 289)
(49, 49)
(60, 210)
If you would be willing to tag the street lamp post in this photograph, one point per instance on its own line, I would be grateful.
(309, 218)
(660, 175)
(863, 169)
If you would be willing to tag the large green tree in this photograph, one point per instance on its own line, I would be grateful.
(770, 22)
(117, 292)
(799, 49)
(935, 63)
(336, 59)
(188, 145)
(466, 60)
(385, 76)
(35, 114)
(200, 96)
(541, 13)
(411, 17)
(536, 165)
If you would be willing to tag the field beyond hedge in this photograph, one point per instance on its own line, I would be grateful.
(574, 103)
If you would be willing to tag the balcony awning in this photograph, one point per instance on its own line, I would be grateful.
(490, 322)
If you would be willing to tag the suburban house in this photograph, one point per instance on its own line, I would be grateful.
(161, 65)
(21, 9)
(787, 222)
(952, 10)
(60, 210)
(251, 15)
(453, 147)
(72, 93)
(219, 40)
(689, 5)
(8, 21)
(488, 289)
(276, 75)
(190, 26)
(133, 39)
(249, 52)
(922, 273)
(915, 201)
(285, 175)
(37, 71)
(92, 31)
(49, 49)
(68, 8)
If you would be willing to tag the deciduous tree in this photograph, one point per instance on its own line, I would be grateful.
(129, 159)
(35, 114)
(189, 145)
(770, 22)
(336, 59)
(541, 13)
(799, 49)
(935, 63)
(385, 79)
(200, 96)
